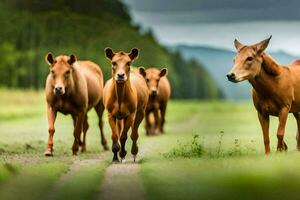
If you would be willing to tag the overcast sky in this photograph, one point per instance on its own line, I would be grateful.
(217, 22)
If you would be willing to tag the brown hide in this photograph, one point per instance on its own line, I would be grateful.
(73, 87)
(276, 88)
(125, 98)
(159, 94)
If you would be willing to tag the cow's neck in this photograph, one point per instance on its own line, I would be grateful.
(122, 89)
(265, 83)
(71, 91)
(73, 87)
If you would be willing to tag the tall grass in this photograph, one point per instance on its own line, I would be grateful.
(20, 104)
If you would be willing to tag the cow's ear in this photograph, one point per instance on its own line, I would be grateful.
(109, 53)
(261, 46)
(238, 45)
(49, 58)
(163, 72)
(142, 71)
(72, 59)
(134, 53)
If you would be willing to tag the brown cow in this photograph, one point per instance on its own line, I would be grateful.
(125, 98)
(159, 94)
(276, 89)
(73, 87)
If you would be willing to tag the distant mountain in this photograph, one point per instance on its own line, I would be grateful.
(219, 61)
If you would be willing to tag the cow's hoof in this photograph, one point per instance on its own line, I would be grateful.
(105, 147)
(48, 153)
(122, 154)
(134, 158)
(285, 147)
(83, 150)
(115, 161)
(75, 150)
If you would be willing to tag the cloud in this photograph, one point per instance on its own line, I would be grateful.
(192, 11)
(217, 22)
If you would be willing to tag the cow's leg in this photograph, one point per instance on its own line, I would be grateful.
(77, 132)
(126, 125)
(120, 126)
(74, 120)
(51, 120)
(156, 120)
(264, 122)
(134, 134)
(163, 108)
(99, 110)
(85, 129)
(114, 136)
(297, 116)
(147, 123)
(281, 145)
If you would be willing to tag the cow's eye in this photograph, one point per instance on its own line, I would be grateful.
(128, 64)
(113, 64)
(67, 73)
(249, 59)
(52, 74)
(147, 79)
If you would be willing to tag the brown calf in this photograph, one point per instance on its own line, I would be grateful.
(73, 87)
(125, 98)
(276, 88)
(159, 94)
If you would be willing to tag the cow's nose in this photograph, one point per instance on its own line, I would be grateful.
(231, 76)
(58, 89)
(153, 92)
(121, 75)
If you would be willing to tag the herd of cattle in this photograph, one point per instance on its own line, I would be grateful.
(74, 87)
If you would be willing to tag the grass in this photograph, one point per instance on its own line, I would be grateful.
(234, 178)
(22, 143)
(18, 104)
(187, 150)
(32, 182)
(82, 185)
(7, 170)
(224, 161)
(211, 150)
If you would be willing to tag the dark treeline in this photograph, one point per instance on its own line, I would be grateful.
(30, 28)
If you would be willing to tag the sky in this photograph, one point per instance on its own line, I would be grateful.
(217, 23)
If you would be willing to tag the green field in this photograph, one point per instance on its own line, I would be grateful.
(211, 150)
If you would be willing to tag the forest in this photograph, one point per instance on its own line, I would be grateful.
(31, 28)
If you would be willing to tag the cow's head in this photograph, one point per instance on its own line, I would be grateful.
(248, 61)
(121, 63)
(61, 69)
(152, 77)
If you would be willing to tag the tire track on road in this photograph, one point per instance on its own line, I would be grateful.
(122, 181)
(77, 164)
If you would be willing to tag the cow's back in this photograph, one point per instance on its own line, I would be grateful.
(94, 79)
(140, 85)
(164, 89)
